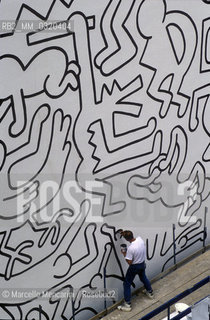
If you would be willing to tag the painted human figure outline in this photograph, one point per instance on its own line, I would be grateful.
(176, 68)
(53, 82)
(151, 187)
(89, 106)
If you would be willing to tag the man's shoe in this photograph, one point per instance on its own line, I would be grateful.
(124, 307)
(149, 294)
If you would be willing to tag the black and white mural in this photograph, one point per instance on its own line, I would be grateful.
(104, 112)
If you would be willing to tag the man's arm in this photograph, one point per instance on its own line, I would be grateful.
(129, 261)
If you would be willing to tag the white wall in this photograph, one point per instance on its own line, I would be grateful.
(104, 125)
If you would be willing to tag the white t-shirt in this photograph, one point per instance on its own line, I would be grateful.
(136, 251)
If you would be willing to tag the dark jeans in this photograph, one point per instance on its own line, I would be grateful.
(133, 270)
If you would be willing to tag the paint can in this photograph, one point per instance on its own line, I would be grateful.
(123, 247)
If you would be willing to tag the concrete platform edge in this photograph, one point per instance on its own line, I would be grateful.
(159, 276)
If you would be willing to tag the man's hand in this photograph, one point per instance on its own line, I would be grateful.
(123, 252)
(120, 231)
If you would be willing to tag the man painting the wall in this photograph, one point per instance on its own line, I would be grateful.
(135, 256)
